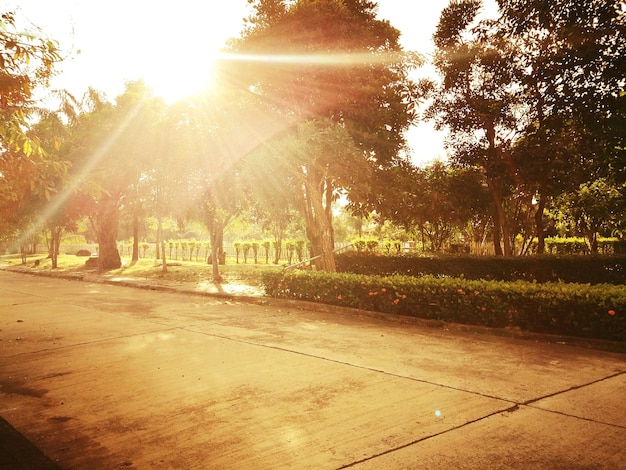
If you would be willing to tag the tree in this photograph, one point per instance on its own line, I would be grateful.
(60, 211)
(27, 61)
(316, 155)
(569, 63)
(439, 200)
(333, 64)
(212, 134)
(596, 208)
(477, 101)
(111, 147)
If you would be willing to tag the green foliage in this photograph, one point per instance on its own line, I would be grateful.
(144, 248)
(363, 244)
(246, 246)
(591, 311)
(255, 244)
(582, 269)
(237, 245)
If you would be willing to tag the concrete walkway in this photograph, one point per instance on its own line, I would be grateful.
(110, 377)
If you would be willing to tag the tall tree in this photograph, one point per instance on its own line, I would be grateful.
(313, 159)
(325, 61)
(111, 145)
(570, 61)
(596, 208)
(210, 136)
(27, 61)
(477, 102)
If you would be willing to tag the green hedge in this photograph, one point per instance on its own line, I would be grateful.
(579, 269)
(590, 311)
(578, 245)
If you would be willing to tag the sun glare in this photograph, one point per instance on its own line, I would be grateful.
(187, 76)
(171, 47)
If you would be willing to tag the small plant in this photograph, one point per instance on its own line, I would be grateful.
(266, 244)
(255, 250)
(359, 244)
(277, 250)
(372, 244)
(237, 246)
(291, 248)
(300, 250)
(246, 250)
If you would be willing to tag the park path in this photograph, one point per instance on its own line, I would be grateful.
(107, 376)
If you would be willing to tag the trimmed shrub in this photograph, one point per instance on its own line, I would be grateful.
(591, 311)
(579, 269)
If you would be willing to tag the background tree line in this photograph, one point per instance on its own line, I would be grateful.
(534, 103)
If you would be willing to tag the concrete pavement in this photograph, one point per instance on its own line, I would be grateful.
(103, 376)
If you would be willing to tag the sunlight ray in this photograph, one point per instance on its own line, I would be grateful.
(56, 203)
(337, 59)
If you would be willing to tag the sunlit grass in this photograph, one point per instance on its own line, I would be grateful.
(177, 271)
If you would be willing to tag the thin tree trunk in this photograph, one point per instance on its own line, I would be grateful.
(497, 233)
(501, 228)
(135, 256)
(540, 226)
(160, 243)
(55, 245)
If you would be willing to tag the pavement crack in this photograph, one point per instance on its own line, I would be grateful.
(425, 438)
(356, 366)
(572, 388)
(582, 418)
(530, 403)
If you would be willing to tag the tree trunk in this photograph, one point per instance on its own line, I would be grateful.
(497, 233)
(540, 226)
(500, 224)
(161, 243)
(105, 226)
(214, 258)
(135, 256)
(319, 227)
(218, 256)
(501, 229)
(55, 245)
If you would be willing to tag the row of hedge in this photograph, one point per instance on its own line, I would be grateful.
(579, 245)
(583, 310)
(579, 269)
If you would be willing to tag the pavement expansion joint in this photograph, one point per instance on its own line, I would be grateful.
(574, 387)
(581, 418)
(426, 438)
(357, 366)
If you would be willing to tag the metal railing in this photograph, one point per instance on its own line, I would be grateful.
(302, 263)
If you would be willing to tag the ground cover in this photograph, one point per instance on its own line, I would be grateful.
(149, 269)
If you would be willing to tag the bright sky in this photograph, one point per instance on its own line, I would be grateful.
(164, 43)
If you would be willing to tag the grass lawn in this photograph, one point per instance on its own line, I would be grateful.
(179, 271)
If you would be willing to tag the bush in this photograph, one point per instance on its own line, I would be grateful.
(83, 253)
(591, 311)
(579, 269)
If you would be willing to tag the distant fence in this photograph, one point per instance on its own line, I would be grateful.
(149, 252)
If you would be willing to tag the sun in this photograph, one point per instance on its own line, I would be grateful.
(171, 47)
(184, 77)
(183, 47)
